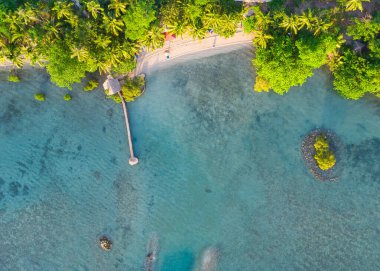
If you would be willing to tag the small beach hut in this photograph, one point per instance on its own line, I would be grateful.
(111, 85)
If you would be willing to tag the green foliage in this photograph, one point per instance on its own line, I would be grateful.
(125, 66)
(114, 97)
(374, 47)
(356, 76)
(323, 155)
(249, 24)
(289, 61)
(39, 97)
(352, 5)
(65, 70)
(132, 89)
(13, 78)
(91, 85)
(290, 47)
(261, 84)
(366, 28)
(276, 4)
(102, 35)
(195, 18)
(137, 20)
(67, 97)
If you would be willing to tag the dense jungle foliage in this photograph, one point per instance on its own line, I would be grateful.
(292, 38)
(71, 38)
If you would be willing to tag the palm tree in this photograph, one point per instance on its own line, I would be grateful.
(154, 39)
(261, 39)
(306, 20)
(62, 9)
(263, 21)
(52, 31)
(178, 28)
(102, 41)
(118, 6)
(227, 26)
(212, 20)
(113, 25)
(73, 20)
(94, 8)
(80, 53)
(10, 47)
(192, 12)
(290, 23)
(27, 15)
(13, 22)
(320, 26)
(197, 32)
(353, 5)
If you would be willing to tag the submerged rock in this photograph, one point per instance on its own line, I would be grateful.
(105, 243)
(210, 258)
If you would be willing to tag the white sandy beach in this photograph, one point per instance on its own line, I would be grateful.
(187, 48)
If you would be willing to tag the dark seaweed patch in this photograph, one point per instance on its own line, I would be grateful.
(97, 175)
(63, 142)
(10, 113)
(21, 164)
(14, 188)
(113, 160)
(110, 112)
(25, 190)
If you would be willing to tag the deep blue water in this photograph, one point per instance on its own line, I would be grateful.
(220, 166)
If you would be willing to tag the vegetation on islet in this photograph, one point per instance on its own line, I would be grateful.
(324, 157)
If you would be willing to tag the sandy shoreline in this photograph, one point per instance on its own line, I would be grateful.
(181, 50)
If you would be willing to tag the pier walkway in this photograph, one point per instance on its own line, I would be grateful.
(132, 160)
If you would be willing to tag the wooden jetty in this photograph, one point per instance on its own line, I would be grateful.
(112, 86)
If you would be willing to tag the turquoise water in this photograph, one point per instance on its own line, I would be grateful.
(220, 166)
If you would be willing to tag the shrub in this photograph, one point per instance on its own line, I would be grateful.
(261, 84)
(356, 76)
(132, 89)
(125, 67)
(323, 155)
(39, 97)
(67, 97)
(13, 78)
(116, 98)
(91, 85)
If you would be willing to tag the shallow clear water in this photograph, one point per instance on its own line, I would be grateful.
(220, 166)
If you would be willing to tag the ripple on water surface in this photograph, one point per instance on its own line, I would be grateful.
(220, 168)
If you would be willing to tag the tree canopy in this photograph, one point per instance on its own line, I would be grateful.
(291, 44)
(71, 39)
